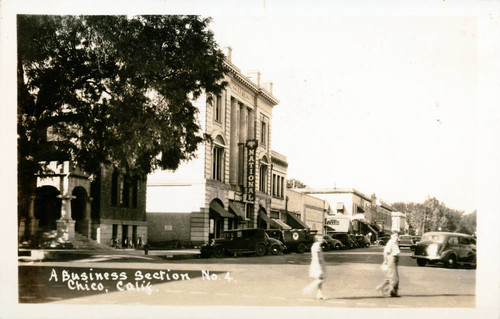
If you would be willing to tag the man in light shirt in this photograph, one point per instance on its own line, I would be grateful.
(390, 284)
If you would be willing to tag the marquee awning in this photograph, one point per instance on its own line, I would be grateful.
(281, 224)
(295, 222)
(237, 211)
(216, 208)
(264, 217)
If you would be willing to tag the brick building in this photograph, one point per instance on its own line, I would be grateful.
(229, 183)
(105, 208)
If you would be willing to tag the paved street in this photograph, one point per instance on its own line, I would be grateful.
(242, 281)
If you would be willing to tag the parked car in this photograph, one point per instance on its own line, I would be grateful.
(405, 241)
(362, 241)
(238, 241)
(275, 247)
(295, 240)
(444, 247)
(331, 243)
(383, 240)
(414, 240)
(345, 238)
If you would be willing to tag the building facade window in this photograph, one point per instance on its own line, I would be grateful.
(282, 188)
(125, 192)
(218, 108)
(264, 131)
(114, 189)
(263, 178)
(218, 163)
(135, 187)
(275, 186)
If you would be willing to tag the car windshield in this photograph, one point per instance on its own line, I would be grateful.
(433, 237)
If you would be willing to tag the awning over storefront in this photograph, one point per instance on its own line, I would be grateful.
(295, 222)
(281, 224)
(372, 229)
(330, 228)
(216, 208)
(235, 209)
(263, 216)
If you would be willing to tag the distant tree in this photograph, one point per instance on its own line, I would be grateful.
(468, 223)
(111, 90)
(295, 183)
(431, 215)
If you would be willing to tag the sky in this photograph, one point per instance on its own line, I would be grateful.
(382, 104)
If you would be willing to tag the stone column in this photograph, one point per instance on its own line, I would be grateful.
(65, 225)
(32, 221)
(233, 144)
(251, 124)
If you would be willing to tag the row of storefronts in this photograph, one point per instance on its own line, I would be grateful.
(235, 181)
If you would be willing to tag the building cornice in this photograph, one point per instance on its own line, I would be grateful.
(236, 73)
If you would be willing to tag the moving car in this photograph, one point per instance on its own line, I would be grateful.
(405, 241)
(331, 243)
(238, 241)
(444, 247)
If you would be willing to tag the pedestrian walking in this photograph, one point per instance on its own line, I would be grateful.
(390, 285)
(317, 269)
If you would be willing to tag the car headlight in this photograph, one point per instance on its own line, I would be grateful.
(432, 250)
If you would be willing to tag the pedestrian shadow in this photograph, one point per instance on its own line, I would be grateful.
(406, 295)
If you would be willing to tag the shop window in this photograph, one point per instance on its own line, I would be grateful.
(248, 211)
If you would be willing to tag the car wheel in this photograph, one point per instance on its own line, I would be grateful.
(421, 262)
(301, 248)
(336, 246)
(218, 252)
(324, 247)
(451, 261)
(260, 250)
(275, 250)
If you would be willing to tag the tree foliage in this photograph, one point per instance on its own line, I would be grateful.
(432, 215)
(113, 90)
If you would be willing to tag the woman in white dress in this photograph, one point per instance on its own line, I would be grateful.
(317, 269)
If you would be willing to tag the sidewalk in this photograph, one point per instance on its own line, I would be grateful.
(74, 254)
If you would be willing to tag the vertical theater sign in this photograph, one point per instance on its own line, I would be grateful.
(251, 156)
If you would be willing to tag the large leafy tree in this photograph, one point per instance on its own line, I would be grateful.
(112, 90)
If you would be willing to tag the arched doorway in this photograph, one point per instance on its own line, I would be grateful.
(78, 206)
(47, 207)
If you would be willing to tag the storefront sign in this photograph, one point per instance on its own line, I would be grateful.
(251, 157)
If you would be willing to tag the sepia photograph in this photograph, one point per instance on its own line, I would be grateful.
(253, 159)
